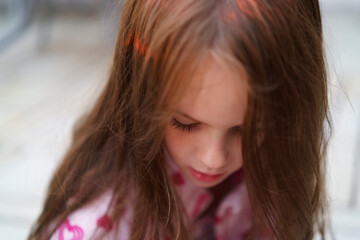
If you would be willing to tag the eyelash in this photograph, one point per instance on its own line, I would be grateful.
(191, 127)
(184, 127)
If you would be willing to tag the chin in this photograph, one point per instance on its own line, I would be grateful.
(206, 185)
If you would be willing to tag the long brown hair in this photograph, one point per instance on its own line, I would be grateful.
(160, 45)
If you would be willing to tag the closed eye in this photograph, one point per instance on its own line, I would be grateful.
(184, 127)
(237, 130)
(194, 126)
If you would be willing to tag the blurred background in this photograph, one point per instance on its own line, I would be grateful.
(55, 55)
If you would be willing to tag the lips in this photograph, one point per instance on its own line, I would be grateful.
(203, 177)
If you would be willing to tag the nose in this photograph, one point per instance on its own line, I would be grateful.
(214, 155)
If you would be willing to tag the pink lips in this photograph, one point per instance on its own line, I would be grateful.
(202, 177)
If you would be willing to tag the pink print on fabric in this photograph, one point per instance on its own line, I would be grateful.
(70, 232)
(178, 179)
(202, 199)
(105, 222)
(244, 235)
(217, 220)
(228, 211)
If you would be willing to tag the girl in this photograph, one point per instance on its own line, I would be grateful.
(211, 126)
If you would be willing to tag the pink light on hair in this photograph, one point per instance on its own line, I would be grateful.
(139, 46)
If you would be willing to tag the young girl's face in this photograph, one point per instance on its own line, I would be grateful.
(204, 136)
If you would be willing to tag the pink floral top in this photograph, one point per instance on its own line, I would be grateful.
(231, 220)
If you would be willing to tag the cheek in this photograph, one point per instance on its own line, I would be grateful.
(172, 138)
(178, 144)
(236, 152)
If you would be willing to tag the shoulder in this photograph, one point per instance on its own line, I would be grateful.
(92, 220)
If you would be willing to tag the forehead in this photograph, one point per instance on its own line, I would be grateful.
(217, 94)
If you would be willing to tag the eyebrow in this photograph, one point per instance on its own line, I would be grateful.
(195, 120)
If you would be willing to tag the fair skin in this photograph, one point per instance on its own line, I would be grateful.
(214, 108)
